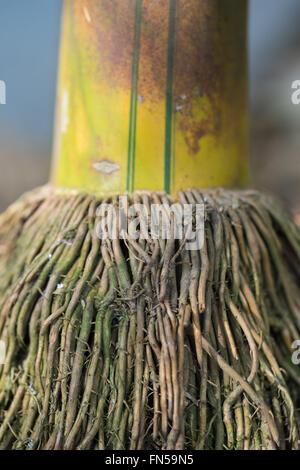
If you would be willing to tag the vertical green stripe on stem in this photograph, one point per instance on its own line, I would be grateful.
(173, 152)
(169, 96)
(133, 97)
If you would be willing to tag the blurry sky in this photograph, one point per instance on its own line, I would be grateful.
(271, 24)
(29, 32)
(29, 36)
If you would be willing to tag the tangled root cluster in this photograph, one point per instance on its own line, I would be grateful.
(142, 344)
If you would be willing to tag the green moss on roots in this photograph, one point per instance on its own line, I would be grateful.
(141, 344)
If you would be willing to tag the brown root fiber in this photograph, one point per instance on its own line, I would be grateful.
(142, 344)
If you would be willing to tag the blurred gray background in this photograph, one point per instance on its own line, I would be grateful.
(29, 37)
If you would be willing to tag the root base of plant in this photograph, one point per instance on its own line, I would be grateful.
(142, 344)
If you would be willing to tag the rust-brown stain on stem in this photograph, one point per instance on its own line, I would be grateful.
(202, 55)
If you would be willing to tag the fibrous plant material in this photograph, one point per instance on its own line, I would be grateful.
(142, 344)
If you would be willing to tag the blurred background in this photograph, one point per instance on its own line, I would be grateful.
(29, 38)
